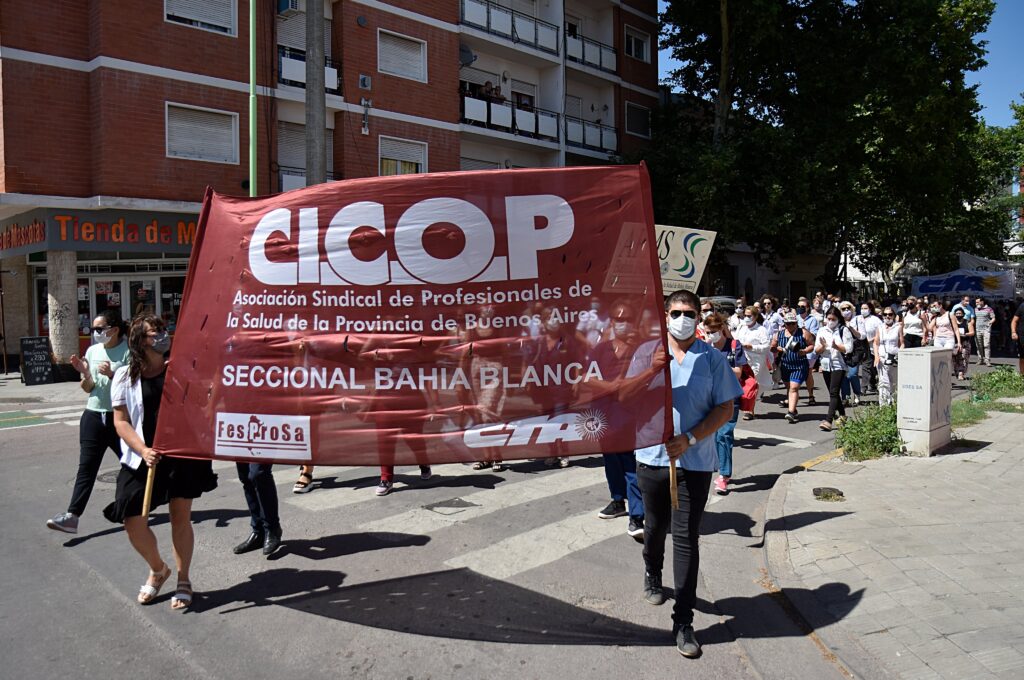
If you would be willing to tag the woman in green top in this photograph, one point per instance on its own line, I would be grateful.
(96, 431)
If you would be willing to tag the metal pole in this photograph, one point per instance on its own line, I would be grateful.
(3, 327)
(252, 97)
(316, 97)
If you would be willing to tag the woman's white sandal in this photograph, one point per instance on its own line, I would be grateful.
(148, 593)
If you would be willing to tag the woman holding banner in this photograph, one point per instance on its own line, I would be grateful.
(135, 397)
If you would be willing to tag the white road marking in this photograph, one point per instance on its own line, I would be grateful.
(320, 499)
(505, 495)
(537, 547)
(785, 441)
(57, 409)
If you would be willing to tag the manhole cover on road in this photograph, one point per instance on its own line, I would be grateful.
(450, 506)
(109, 477)
(837, 467)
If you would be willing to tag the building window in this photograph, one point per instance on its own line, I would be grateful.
(400, 56)
(638, 120)
(402, 156)
(219, 16)
(638, 44)
(201, 134)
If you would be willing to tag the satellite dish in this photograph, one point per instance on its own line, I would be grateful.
(466, 56)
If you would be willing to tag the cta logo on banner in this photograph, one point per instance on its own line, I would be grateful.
(683, 254)
(966, 282)
(420, 319)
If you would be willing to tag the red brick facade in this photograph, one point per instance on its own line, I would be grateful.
(83, 93)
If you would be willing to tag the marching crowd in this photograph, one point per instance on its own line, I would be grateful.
(721, 366)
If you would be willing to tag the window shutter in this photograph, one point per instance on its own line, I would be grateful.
(477, 76)
(476, 164)
(201, 135)
(524, 88)
(403, 150)
(401, 57)
(213, 12)
(573, 106)
(291, 146)
(291, 32)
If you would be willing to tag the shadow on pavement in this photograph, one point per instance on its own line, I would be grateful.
(220, 518)
(459, 604)
(755, 483)
(340, 545)
(759, 616)
(484, 480)
(264, 587)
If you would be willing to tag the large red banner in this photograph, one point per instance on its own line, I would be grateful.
(419, 319)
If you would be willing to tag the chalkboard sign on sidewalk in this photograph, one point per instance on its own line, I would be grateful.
(36, 360)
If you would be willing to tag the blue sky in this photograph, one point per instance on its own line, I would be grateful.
(999, 83)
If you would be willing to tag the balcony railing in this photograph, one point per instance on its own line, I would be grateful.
(291, 69)
(295, 178)
(587, 135)
(591, 53)
(508, 23)
(529, 122)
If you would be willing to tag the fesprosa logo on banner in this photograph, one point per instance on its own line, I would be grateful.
(414, 265)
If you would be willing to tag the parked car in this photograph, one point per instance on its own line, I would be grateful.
(724, 304)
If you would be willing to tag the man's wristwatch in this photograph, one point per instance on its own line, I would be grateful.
(690, 438)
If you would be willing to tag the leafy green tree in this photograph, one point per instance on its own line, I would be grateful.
(837, 126)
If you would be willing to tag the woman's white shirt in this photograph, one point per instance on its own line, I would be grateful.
(831, 358)
(124, 393)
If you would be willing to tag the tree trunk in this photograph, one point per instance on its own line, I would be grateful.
(724, 101)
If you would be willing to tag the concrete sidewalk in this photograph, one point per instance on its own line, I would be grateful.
(919, 573)
(13, 391)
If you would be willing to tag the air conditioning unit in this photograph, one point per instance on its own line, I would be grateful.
(288, 8)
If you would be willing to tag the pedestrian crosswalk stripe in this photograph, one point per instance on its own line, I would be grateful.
(319, 499)
(425, 520)
(537, 547)
(782, 440)
(57, 409)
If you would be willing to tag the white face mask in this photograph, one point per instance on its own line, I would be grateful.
(552, 325)
(865, 312)
(621, 328)
(833, 324)
(847, 313)
(889, 322)
(748, 320)
(705, 315)
(682, 327)
(101, 338)
(594, 306)
(713, 338)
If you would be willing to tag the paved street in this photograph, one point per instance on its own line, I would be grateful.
(469, 575)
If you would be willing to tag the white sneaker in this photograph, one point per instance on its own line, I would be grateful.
(65, 521)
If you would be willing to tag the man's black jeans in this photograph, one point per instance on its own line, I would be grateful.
(260, 495)
(693, 496)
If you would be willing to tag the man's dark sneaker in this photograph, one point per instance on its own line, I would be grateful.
(791, 416)
(254, 542)
(653, 592)
(686, 643)
(68, 522)
(636, 527)
(613, 509)
(271, 543)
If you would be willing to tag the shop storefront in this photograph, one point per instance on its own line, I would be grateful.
(77, 264)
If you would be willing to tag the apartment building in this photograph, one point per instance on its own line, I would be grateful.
(116, 115)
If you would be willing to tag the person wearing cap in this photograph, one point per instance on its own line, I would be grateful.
(791, 345)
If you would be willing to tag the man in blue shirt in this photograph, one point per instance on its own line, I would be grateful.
(703, 390)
